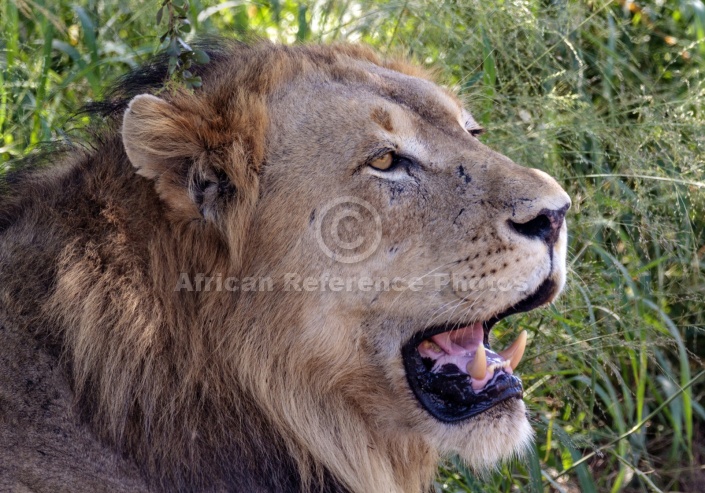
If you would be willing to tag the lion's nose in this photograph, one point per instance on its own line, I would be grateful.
(545, 226)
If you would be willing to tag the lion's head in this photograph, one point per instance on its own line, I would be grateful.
(332, 249)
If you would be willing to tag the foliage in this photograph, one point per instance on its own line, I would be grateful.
(606, 96)
(181, 55)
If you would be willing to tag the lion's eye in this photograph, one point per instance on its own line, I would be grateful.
(383, 163)
(476, 132)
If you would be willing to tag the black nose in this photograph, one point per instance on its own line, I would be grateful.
(545, 226)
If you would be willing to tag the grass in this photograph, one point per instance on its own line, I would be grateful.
(606, 96)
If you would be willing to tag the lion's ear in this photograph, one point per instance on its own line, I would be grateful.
(165, 144)
(156, 136)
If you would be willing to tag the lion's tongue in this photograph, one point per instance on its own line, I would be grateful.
(463, 348)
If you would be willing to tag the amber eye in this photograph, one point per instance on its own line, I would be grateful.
(383, 163)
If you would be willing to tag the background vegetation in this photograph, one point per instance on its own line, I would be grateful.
(607, 96)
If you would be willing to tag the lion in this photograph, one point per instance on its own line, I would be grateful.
(282, 281)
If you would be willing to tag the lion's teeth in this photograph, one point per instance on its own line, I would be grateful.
(431, 346)
(514, 353)
(496, 366)
(477, 368)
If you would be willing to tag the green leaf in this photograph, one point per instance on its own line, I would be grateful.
(277, 8)
(303, 31)
(201, 56)
(181, 12)
(89, 33)
(160, 12)
(173, 49)
(472, 80)
(534, 466)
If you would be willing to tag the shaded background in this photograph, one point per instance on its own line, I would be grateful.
(608, 97)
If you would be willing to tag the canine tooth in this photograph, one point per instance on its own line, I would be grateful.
(514, 353)
(431, 346)
(477, 368)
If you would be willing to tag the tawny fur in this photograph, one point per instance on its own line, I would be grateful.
(110, 379)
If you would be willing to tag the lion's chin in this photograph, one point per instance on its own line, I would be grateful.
(486, 440)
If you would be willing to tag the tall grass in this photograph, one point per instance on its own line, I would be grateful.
(606, 96)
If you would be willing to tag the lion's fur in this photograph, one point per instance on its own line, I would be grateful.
(218, 389)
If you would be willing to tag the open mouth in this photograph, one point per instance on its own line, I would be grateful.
(455, 374)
